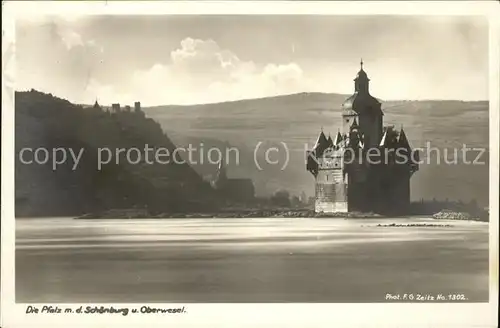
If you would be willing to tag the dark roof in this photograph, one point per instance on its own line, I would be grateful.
(322, 141)
(355, 139)
(330, 141)
(358, 101)
(389, 138)
(403, 140)
(338, 139)
(321, 145)
(362, 75)
(361, 101)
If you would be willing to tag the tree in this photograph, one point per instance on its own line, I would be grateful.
(281, 198)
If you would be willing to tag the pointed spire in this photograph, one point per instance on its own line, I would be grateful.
(321, 144)
(361, 63)
(361, 144)
(338, 139)
(321, 139)
(403, 140)
(330, 141)
(383, 141)
(221, 169)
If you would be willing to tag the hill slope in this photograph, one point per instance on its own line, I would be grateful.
(44, 121)
(297, 119)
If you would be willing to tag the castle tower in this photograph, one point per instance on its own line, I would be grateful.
(365, 109)
(115, 107)
(362, 82)
(137, 106)
(408, 167)
(325, 162)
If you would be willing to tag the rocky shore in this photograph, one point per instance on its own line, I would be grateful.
(414, 225)
(452, 215)
(257, 213)
(260, 213)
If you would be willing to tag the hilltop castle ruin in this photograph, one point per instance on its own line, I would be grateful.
(116, 108)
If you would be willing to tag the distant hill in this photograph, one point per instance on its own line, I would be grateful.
(297, 120)
(43, 120)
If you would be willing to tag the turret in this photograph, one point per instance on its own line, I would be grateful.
(137, 106)
(405, 149)
(313, 155)
(362, 82)
(403, 140)
(321, 144)
(115, 107)
(389, 138)
(338, 139)
(365, 109)
(330, 141)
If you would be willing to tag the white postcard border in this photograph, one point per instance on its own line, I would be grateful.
(242, 315)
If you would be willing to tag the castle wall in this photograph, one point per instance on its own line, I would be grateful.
(393, 190)
(400, 199)
(331, 207)
(331, 189)
(331, 197)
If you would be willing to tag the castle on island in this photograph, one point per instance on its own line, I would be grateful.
(368, 166)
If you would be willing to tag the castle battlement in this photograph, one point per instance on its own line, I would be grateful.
(116, 108)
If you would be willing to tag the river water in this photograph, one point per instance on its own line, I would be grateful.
(247, 260)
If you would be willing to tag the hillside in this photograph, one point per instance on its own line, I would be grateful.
(297, 119)
(43, 120)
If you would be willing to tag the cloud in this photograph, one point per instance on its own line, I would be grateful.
(286, 77)
(71, 39)
(56, 58)
(203, 61)
(197, 71)
(201, 71)
(120, 60)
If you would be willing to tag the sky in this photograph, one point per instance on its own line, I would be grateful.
(162, 60)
